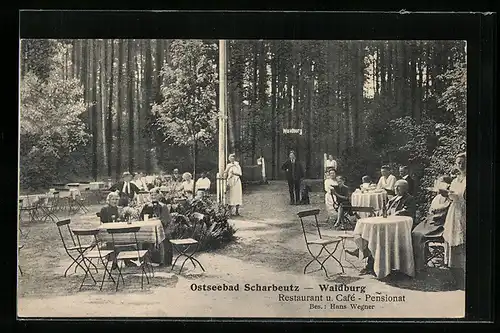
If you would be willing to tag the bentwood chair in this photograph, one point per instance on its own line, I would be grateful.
(73, 250)
(310, 217)
(140, 258)
(187, 246)
(101, 254)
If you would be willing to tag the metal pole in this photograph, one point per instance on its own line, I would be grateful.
(222, 121)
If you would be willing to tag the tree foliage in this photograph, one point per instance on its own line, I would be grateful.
(187, 115)
(50, 126)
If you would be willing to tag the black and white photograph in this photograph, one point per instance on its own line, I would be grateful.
(242, 178)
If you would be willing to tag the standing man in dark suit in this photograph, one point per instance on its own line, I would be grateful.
(405, 174)
(126, 189)
(294, 174)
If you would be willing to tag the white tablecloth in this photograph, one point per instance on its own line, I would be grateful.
(389, 241)
(369, 199)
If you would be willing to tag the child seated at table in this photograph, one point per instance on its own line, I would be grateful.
(366, 183)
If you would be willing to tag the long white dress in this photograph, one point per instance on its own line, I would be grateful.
(454, 225)
(235, 193)
(329, 199)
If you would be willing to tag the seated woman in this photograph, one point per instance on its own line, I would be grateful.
(433, 225)
(187, 185)
(343, 197)
(330, 200)
(109, 213)
(157, 209)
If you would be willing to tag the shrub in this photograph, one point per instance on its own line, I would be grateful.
(215, 231)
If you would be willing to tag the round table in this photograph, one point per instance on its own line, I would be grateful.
(374, 199)
(389, 241)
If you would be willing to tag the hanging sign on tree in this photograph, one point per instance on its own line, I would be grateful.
(292, 131)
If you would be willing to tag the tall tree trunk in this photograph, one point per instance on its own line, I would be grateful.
(413, 83)
(120, 105)
(360, 79)
(78, 58)
(390, 61)
(420, 95)
(334, 97)
(262, 96)
(138, 124)
(130, 104)
(109, 117)
(103, 70)
(381, 52)
(147, 97)
(254, 101)
(273, 108)
(231, 107)
(95, 116)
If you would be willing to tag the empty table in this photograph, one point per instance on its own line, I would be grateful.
(374, 199)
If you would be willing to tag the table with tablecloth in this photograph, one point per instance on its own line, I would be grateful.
(389, 241)
(374, 199)
(150, 231)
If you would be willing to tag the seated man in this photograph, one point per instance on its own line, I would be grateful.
(403, 204)
(433, 225)
(387, 181)
(158, 209)
(202, 185)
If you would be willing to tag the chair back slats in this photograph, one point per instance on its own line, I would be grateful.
(124, 230)
(60, 226)
(305, 213)
(362, 209)
(85, 232)
(63, 222)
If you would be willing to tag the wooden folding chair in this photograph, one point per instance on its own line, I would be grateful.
(318, 240)
(49, 207)
(141, 258)
(187, 246)
(73, 250)
(31, 207)
(435, 248)
(99, 253)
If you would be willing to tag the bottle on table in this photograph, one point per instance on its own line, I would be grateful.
(113, 218)
(384, 210)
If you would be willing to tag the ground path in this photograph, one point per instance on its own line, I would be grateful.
(269, 250)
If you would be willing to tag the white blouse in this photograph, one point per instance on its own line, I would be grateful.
(329, 183)
(387, 183)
